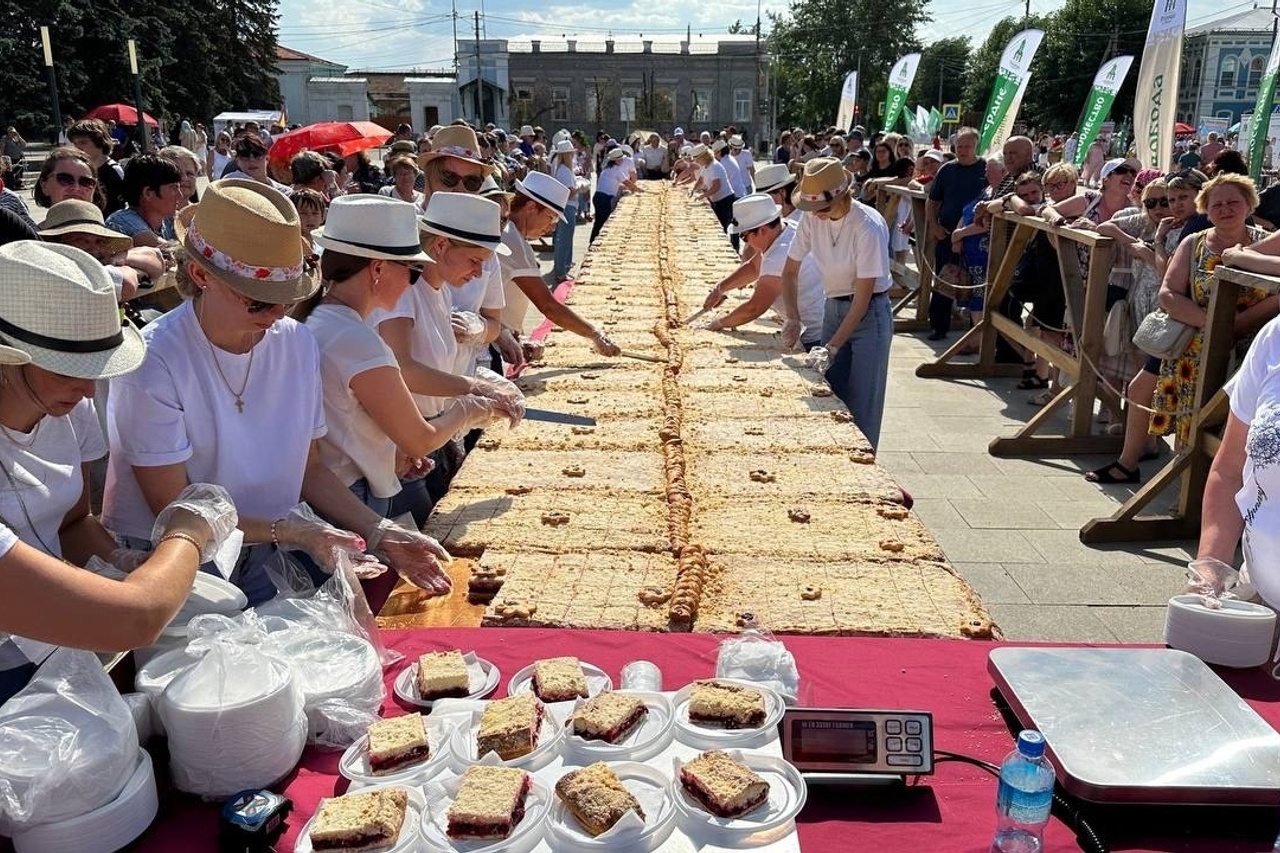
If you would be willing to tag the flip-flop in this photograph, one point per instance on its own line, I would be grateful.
(1033, 383)
(1104, 476)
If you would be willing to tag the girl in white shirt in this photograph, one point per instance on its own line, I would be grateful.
(609, 184)
(713, 184)
(563, 240)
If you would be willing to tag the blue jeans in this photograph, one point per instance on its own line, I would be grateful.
(564, 244)
(603, 203)
(250, 572)
(859, 371)
(360, 488)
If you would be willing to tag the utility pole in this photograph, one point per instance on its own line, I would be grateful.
(454, 6)
(1026, 20)
(755, 102)
(480, 122)
(54, 107)
(137, 96)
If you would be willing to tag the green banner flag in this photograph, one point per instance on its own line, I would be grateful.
(1011, 81)
(1261, 122)
(900, 80)
(1106, 83)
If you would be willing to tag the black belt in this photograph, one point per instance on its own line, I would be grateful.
(849, 297)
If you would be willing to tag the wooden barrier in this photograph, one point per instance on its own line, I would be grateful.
(1086, 293)
(922, 246)
(1189, 468)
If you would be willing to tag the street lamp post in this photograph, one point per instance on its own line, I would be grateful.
(54, 107)
(137, 96)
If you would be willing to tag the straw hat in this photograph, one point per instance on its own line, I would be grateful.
(564, 146)
(454, 140)
(491, 189)
(469, 218)
(752, 211)
(615, 154)
(546, 191)
(772, 177)
(247, 235)
(372, 226)
(823, 181)
(698, 150)
(526, 130)
(718, 146)
(736, 141)
(58, 311)
(81, 217)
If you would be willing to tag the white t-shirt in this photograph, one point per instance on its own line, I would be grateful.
(419, 201)
(1255, 399)
(354, 447)
(610, 180)
(521, 262)
(433, 343)
(628, 166)
(735, 175)
(812, 298)
(654, 157)
(565, 175)
(708, 175)
(176, 408)
(745, 161)
(483, 291)
(856, 246)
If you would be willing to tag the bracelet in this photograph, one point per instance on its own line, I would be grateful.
(275, 540)
(185, 537)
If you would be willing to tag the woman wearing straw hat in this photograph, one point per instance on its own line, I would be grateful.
(565, 153)
(230, 393)
(713, 184)
(79, 224)
(462, 233)
(50, 362)
(849, 244)
(609, 184)
(540, 202)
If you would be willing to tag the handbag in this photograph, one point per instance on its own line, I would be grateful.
(1163, 337)
(1118, 331)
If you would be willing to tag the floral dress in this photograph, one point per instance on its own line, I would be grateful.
(1176, 387)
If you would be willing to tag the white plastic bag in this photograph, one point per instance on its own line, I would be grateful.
(67, 743)
(754, 655)
(340, 677)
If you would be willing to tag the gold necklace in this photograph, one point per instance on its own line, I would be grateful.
(213, 353)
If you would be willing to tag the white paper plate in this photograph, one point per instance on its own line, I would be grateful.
(710, 737)
(210, 594)
(787, 794)
(550, 737)
(408, 837)
(525, 837)
(645, 741)
(648, 785)
(597, 680)
(354, 763)
(483, 675)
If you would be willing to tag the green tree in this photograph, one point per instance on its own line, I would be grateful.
(944, 66)
(817, 42)
(738, 28)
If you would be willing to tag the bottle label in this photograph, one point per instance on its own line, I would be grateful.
(1024, 807)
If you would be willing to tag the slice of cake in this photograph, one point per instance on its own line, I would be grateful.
(359, 822)
(442, 675)
(559, 679)
(510, 727)
(397, 743)
(596, 797)
(609, 717)
(489, 804)
(725, 705)
(723, 786)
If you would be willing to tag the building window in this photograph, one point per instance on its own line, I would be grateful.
(1195, 74)
(1227, 73)
(345, 113)
(742, 105)
(593, 103)
(701, 105)
(1255, 72)
(560, 103)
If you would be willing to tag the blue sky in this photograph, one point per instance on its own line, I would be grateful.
(395, 34)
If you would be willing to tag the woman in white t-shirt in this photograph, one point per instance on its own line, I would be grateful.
(609, 184)
(50, 362)
(563, 241)
(230, 393)
(713, 184)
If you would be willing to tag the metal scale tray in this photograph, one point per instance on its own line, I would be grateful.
(1150, 726)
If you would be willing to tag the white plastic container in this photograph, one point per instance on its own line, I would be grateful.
(1240, 634)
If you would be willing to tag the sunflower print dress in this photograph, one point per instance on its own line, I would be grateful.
(1176, 387)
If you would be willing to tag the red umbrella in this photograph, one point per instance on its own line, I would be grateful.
(344, 137)
(1183, 127)
(120, 114)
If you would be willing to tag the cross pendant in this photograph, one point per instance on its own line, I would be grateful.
(239, 406)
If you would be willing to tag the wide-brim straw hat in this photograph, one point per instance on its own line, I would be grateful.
(773, 177)
(718, 146)
(458, 141)
(247, 235)
(752, 211)
(81, 217)
(372, 226)
(564, 146)
(698, 150)
(465, 217)
(615, 154)
(736, 141)
(58, 311)
(823, 181)
(491, 189)
(546, 191)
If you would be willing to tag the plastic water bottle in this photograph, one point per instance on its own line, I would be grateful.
(1024, 798)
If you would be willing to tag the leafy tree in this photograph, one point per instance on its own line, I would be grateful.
(945, 61)
(818, 42)
(737, 28)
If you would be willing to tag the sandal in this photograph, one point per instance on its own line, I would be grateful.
(1104, 476)
(1033, 382)
(1043, 398)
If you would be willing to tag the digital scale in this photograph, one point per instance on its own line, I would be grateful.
(1131, 725)
(854, 746)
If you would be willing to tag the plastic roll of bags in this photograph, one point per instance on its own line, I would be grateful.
(1238, 634)
(235, 721)
(68, 742)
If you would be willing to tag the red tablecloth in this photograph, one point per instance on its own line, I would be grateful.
(952, 811)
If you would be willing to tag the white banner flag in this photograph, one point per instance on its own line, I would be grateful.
(848, 100)
(1156, 99)
(1006, 94)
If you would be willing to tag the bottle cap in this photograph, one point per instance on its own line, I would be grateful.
(1031, 743)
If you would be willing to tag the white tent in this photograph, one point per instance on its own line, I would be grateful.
(264, 118)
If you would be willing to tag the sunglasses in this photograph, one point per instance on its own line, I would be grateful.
(1153, 203)
(415, 270)
(67, 180)
(251, 155)
(1124, 170)
(452, 179)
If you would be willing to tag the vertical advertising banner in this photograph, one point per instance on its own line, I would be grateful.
(1262, 107)
(1155, 102)
(1106, 83)
(1011, 82)
(848, 100)
(900, 80)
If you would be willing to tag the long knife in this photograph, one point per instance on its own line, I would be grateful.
(696, 315)
(639, 356)
(557, 417)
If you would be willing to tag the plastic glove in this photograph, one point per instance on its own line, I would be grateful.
(712, 325)
(199, 507)
(600, 343)
(504, 391)
(127, 559)
(819, 359)
(790, 333)
(509, 348)
(468, 327)
(1211, 579)
(303, 530)
(533, 350)
(408, 468)
(417, 558)
(477, 412)
(714, 299)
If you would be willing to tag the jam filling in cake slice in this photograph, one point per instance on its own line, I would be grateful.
(609, 717)
(722, 786)
(510, 727)
(359, 823)
(397, 743)
(490, 804)
(559, 679)
(724, 705)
